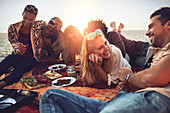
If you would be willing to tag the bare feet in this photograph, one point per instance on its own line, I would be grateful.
(113, 25)
(121, 26)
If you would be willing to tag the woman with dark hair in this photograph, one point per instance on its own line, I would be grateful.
(21, 60)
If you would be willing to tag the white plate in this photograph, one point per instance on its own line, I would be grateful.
(71, 82)
(57, 67)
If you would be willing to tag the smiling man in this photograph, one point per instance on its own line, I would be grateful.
(153, 84)
(48, 42)
(21, 60)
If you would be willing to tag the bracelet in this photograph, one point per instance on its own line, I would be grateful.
(16, 51)
(127, 77)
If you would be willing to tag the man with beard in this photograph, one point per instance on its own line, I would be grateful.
(48, 42)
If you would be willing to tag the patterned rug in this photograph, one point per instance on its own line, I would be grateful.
(98, 91)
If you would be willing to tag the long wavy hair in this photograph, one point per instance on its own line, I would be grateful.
(89, 72)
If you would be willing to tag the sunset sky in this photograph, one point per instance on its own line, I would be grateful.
(134, 14)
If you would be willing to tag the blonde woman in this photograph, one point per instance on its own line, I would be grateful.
(100, 61)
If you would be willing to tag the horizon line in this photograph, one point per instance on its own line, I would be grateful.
(108, 30)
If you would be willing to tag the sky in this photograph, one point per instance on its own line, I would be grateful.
(134, 14)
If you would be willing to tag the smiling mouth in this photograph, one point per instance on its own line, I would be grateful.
(28, 24)
(106, 53)
(151, 35)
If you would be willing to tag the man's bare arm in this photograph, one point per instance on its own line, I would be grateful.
(158, 75)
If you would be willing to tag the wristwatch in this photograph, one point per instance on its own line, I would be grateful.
(127, 77)
(16, 51)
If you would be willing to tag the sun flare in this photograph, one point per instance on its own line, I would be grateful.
(81, 12)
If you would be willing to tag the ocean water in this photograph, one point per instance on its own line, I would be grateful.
(138, 35)
(6, 48)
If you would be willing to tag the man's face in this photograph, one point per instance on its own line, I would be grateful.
(156, 32)
(28, 19)
(50, 32)
(52, 29)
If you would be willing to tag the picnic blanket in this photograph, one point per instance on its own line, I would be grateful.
(98, 91)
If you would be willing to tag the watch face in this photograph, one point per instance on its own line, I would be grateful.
(127, 77)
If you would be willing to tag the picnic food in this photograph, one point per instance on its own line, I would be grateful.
(29, 80)
(52, 74)
(42, 79)
(60, 66)
(49, 73)
(62, 81)
(54, 67)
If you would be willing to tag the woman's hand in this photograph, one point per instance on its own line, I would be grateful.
(96, 59)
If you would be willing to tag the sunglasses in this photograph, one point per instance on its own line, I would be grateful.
(92, 36)
(54, 24)
(31, 8)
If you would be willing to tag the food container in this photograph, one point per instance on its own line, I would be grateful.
(71, 68)
(71, 73)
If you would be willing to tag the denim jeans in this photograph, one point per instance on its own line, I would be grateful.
(20, 65)
(141, 102)
(60, 101)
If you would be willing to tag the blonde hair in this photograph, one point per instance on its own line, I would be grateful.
(89, 72)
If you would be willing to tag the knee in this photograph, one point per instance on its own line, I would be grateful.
(47, 93)
(13, 56)
(52, 91)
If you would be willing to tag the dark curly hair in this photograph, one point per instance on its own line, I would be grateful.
(95, 24)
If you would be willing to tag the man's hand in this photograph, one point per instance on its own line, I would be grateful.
(123, 72)
(19, 48)
(22, 48)
(124, 84)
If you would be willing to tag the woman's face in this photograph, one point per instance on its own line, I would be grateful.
(101, 47)
(28, 19)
